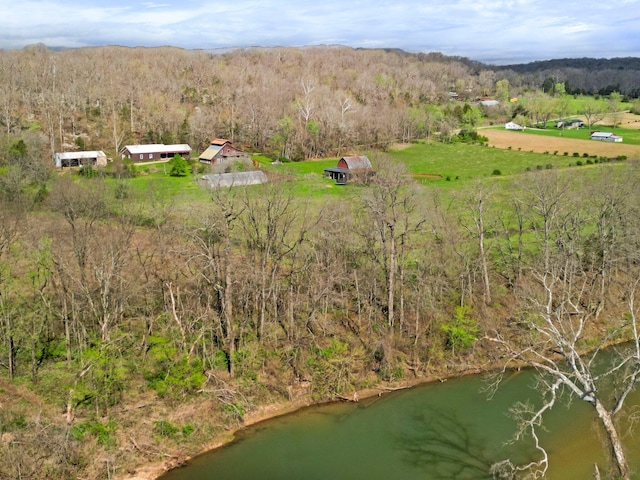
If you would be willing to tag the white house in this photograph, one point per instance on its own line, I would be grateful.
(513, 126)
(605, 137)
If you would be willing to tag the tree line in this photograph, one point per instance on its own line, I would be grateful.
(283, 102)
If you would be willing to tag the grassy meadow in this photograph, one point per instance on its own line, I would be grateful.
(445, 166)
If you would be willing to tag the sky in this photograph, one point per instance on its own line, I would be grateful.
(495, 32)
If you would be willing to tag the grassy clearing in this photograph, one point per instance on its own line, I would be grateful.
(445, 166)
(460, 162)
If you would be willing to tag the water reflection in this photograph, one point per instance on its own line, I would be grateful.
(445, 447)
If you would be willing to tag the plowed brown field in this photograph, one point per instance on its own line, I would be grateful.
(500, 138)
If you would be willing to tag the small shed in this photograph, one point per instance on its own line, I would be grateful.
(513, 126)
(155, 152)
(222, 151)
(235, 179)
(605, 137)
(79, 159)
(348, 167)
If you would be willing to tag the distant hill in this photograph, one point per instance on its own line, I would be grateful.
(593, 64)
(591, 76)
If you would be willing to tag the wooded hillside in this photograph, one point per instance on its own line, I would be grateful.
(136, 323)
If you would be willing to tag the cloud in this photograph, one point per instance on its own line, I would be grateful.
(496, 30)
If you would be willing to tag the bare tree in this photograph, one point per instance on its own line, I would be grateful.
(390, 205)
(559, 332)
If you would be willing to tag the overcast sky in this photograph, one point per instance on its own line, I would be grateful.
(497, 31)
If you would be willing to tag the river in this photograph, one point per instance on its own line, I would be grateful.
(438, 431)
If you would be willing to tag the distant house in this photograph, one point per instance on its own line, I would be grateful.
(155, 152)
(348, 167)
(570, 123)
(605, 137)
(488, 102)
(513, 126)
(79, 159)
(235, 179)
(222, 151)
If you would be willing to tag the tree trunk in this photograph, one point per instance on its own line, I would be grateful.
(614, 442)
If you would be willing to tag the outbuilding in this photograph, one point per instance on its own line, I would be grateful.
(349, 167)
(222, 151)
(606, 137)
(155, 152)
(235, 179)
(80, 159)
(513, 126)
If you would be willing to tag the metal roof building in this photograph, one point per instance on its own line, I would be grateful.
(77, 159)
(236, 179)
(155, 151)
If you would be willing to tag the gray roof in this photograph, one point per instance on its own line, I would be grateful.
(357, 162)
(210, 152)
(215, 180)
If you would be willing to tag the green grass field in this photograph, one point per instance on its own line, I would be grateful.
(437, 165)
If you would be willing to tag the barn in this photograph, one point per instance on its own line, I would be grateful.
(349, 167)
(155, 152)
(79, 159)
(222, 151)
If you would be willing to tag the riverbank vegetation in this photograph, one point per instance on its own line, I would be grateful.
(141, 314)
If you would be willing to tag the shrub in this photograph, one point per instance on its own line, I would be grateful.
(462, 331)
(590, 162)
(585, 155)
(178, 167)
(496, 172)
(548, 166)
(566, 154)
(103, 432)
(165, 429)
(579, 163)
(576, 154)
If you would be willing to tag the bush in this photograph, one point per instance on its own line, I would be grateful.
(103, 432)
(496, 172)
(548, 166)
(462, 331)
(576, 154)
(179, 167)
(165, 429)
(579, 163)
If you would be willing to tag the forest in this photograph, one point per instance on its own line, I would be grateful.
(136, 324)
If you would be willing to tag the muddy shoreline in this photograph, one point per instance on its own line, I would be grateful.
(154, 470)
